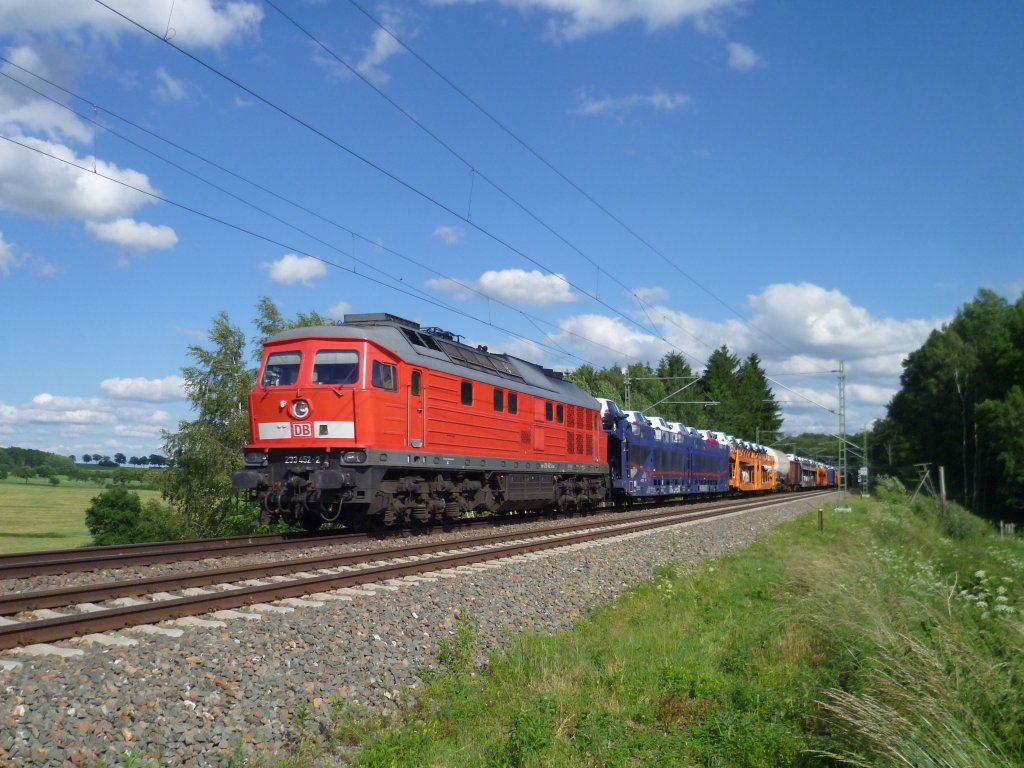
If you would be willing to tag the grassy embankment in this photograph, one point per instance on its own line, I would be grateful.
(36, 515)
(891, 639)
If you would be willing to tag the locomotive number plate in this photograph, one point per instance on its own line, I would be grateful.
(308, 458)
(302, 459)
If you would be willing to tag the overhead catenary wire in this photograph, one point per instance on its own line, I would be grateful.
(245, 230)
(475, 171)
(380, 169)
(560, 174)
(534, 320)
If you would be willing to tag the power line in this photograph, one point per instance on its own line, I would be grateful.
(290, 202)
(380, 169)
(475, 172)
(548, 164)
(421, 296)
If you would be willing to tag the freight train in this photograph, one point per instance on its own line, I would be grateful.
(377, 421)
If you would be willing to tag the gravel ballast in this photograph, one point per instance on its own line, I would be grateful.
(243, 684)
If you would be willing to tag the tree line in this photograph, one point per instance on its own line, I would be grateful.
(731, 395)
(119, 459)
(961, 406)
(118, 475)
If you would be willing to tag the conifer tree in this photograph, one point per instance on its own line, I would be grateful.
(719, 384)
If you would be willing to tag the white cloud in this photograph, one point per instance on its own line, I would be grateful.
(575, 19)
(607, 340)
(370, 60)
(291, 269)
(22, 111)
(45, 269)
(204, 23)
(742, 58)
(383, 47)
(515, 286)
(800, 332)
(619, 106)
(75, 425)
(134, 235)
(870, 394)
(169, 88)
(339, 310)
(655, 293)
(448, 234)
(8, 260)
(45, 177)
(810, 317)
(59, 188)
(165, 390)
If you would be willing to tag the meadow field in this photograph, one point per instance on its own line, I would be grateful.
(36, 515)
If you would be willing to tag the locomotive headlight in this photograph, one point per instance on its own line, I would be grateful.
(354, 457)
(255, 458)
(300, 409)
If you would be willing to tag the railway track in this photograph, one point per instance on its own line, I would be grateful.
(84, 559)
(61, 561)
(152, 600)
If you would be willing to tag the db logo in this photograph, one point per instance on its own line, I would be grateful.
(302, 430)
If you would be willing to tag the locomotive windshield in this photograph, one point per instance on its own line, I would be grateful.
(336, 366)
(282, 369)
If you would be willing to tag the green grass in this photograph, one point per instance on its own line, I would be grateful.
(891, 639)
(37, 515)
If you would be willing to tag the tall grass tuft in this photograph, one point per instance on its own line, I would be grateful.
(921, 638)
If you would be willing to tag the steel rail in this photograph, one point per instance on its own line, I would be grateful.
(60, 561)
(57, 561)
(52, 562)
(17, 602)
(17, 634)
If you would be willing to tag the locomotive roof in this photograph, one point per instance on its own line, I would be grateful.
(440, 350)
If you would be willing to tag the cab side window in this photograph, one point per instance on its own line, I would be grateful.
(383, 376)
(467, 393)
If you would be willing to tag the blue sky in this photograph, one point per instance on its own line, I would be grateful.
(807, 181)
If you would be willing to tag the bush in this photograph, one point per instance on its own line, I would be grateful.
(889, 490)
(117, 516)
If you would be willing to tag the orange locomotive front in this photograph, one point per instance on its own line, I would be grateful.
(378, 420)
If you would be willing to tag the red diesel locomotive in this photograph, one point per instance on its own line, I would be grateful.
(377, 420)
